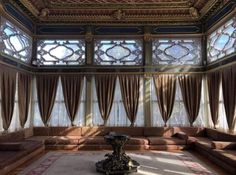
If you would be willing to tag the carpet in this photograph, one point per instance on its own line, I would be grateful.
(152, 163)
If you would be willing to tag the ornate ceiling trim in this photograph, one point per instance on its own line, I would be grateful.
(118, 12)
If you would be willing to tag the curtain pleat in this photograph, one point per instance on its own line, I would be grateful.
(213, 82)
(72, 88)
(8, 89)
(165, 86)
(46, 91)
(191, 86)
(229, 95)
(24, 93)
(105, 88)
(130, 85)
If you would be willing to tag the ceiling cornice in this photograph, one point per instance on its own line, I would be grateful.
(125, 12)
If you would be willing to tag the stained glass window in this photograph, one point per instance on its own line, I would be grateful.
(221, 42)
(14, 42)
(176, 51)
(118, 52)
(61, 52)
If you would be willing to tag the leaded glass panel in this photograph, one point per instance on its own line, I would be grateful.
(118, 52)
(221, 42)
(14, 42)
(61, 52)
(176, 51)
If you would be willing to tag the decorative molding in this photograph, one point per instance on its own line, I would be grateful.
(30, 6)
(118, 11)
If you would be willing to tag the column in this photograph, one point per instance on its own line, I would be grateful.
(147, 77)
(89, 88)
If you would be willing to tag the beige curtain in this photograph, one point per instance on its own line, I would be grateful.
(46, 91)
(24, 94)
(213, 82)
(72, 87)
(105, 88)
(8, 89)
(130, 85)
(229, 95)
(191, 86)
(165, 90)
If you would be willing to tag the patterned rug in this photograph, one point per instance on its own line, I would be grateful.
(152, 163)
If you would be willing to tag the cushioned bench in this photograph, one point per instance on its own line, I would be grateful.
(15, 150)
(141, 138)
(217, 146)
(89, 138)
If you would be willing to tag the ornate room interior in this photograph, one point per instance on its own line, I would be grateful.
(161, 72)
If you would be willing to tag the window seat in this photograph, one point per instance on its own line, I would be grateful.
(15, 150)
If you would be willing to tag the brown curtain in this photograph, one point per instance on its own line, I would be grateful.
(229, 95)
(191, 86)
(46, 91)
(8, 89)
(130, 85)
(165, 89)
(24, 93)
(72, 87)
(105, 87)
(213, 82)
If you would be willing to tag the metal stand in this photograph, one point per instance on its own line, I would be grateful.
(117, 162)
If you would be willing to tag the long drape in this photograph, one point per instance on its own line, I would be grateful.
(130, 85)
(46, 91)
(213, 82)
(229, 94)
(72, 88)
(8, 89)
(191, 86)
(165, 90)
(24, 94)
(105, 88)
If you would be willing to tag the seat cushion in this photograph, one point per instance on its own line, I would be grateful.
(181, 135)
(191, 131)
(62, 140)
(95, 131)
(138, 141)
(31, 145)
(158, 131)
(9, 157)
(227, 156)
(96, 140)
(203, 143)
(166, 141)
(130, 131)
(223, 145)
(11, 146)
(194, 139)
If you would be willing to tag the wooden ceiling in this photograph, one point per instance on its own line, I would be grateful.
(119, 11)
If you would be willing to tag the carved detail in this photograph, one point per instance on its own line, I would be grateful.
(89, 37)
(119, 15)
(194, 12)
(147, 37)
(44, 13)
